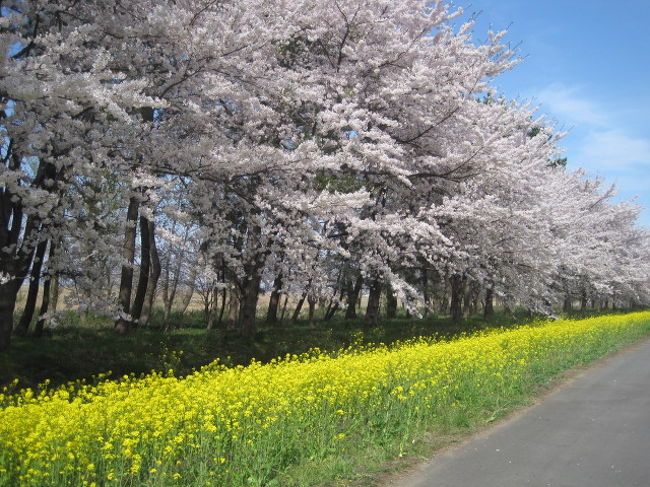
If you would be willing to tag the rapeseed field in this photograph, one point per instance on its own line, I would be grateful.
(246, 426)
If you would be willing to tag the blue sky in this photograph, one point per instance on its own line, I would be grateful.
(587, 64)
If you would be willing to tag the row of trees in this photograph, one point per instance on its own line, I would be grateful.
(323, 150)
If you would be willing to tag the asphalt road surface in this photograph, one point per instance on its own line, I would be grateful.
(592, 432)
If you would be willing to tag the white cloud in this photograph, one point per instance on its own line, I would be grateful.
(567, 105)
(597, 140)
(613, 149)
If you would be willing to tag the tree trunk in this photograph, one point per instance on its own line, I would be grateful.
(466, 301)
(311, 300)
(164, 288)
(583, 301)
(45, 303)
(567, 307)
(274, 300)
(172, 287)
(248, 306)
(191, 282)
(443, 301)
(32, 294)
(330, 305)
(207, 296)
(17, 253)
(469, 299)
(177, 276)
(353, 296)
(233, 310)
(336, 303)
(331, 311)
(143, 278)
(223, 306)
(8, 294)
(48, 290)
(372, 311)
(212, 312)
(301, 302)
(128, 255)
(456, 283)
(250, 287)
(284, 307)
(54, 297)
(488, 311)
(391, 303)
(154, 275)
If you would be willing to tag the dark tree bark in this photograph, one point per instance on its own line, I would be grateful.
(45, 303)
(567, 307)
(212, 311)
(233, 310)
(335, 304)
(299, 305)
(329, 307)
(391, 303)
(456, 284)
(166, 276)
(274, 300)
(311, 300)
(11, 218)
(16, 266)
(191, 283)
(284, 307)
(17, 254)
(54, 295)
(8, 294)
(372, 310)
(248, 305)
(488, 310)
(128, 256)
(331, 310)
(207, 297)
(48, 290)
(467, 299)
(145, 264)
(443, 301)
(470, 299)
(154, 276)
(583, 301)
(222, 309)
(250, 287)
(352, 298)
(32, 293)
(170, 285)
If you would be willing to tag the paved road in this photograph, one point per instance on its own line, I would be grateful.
(592, 432)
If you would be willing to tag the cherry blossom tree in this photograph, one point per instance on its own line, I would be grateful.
(311, 148)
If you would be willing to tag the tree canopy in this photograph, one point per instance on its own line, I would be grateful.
(305, 147)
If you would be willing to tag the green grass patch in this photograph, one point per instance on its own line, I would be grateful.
(82, 347)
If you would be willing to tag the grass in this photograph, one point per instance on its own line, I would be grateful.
(79, 350)
(307, 420)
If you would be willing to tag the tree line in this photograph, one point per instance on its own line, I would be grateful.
(155, 150)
